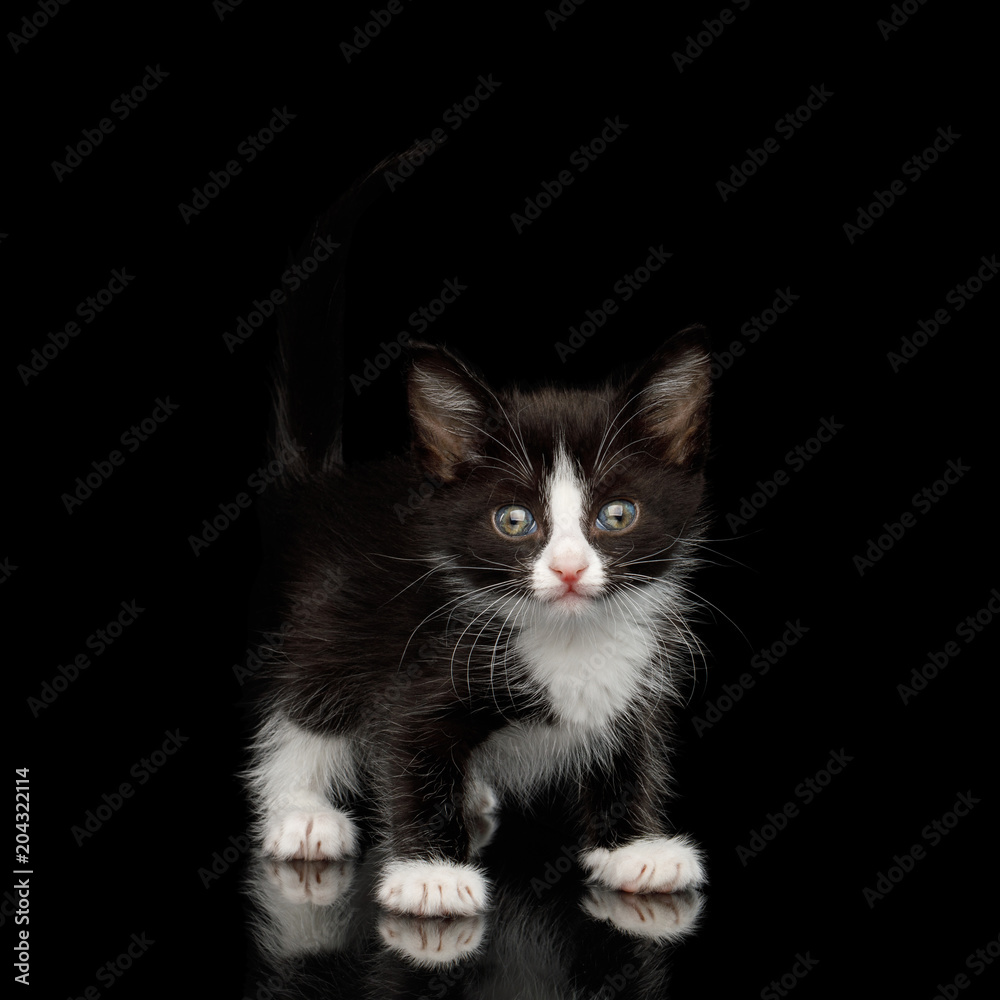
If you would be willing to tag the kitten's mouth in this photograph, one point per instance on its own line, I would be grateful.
(571, 597)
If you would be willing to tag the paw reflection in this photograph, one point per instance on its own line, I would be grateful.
(317, 923)
(432, 941)
(658, 917)
(302, 907)
(320, 883)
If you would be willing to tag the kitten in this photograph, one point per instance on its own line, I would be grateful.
(500, 609)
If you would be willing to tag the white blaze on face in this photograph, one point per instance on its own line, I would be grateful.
(568, 570)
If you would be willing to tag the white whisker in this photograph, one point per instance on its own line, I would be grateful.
(465, 596)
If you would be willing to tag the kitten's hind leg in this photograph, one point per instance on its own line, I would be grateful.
(292, 777)
(481, 808)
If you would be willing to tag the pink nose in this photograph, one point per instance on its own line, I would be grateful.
(569, 573)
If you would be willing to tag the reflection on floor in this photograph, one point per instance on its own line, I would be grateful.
(317, 932)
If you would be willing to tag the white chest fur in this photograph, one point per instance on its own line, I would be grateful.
(590, 669)
(587, 672)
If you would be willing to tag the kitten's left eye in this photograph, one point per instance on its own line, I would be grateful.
(616, 516)
(515, 521)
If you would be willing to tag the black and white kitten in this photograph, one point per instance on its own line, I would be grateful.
(524, 623)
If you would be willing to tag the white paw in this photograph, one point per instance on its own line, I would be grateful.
(433, 889)
(656, 917)
(319, 834)
(651, 864)
(430, 941)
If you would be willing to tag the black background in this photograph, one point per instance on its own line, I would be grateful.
(655, 185)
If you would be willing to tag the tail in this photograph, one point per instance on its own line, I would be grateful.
(308, 396)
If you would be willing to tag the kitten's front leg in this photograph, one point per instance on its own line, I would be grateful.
(429, 838)
(659, 863)
(292, 778)
(627, 846)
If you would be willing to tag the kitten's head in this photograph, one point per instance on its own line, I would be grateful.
(564, 498)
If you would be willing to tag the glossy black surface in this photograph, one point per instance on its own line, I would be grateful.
(316, 933)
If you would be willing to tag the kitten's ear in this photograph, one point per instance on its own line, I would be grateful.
(669, 398)
(448, 409)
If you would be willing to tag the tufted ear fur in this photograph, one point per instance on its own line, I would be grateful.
(669, 398)
(448, 410)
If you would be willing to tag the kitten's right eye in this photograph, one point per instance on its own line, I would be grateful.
(514, 521)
